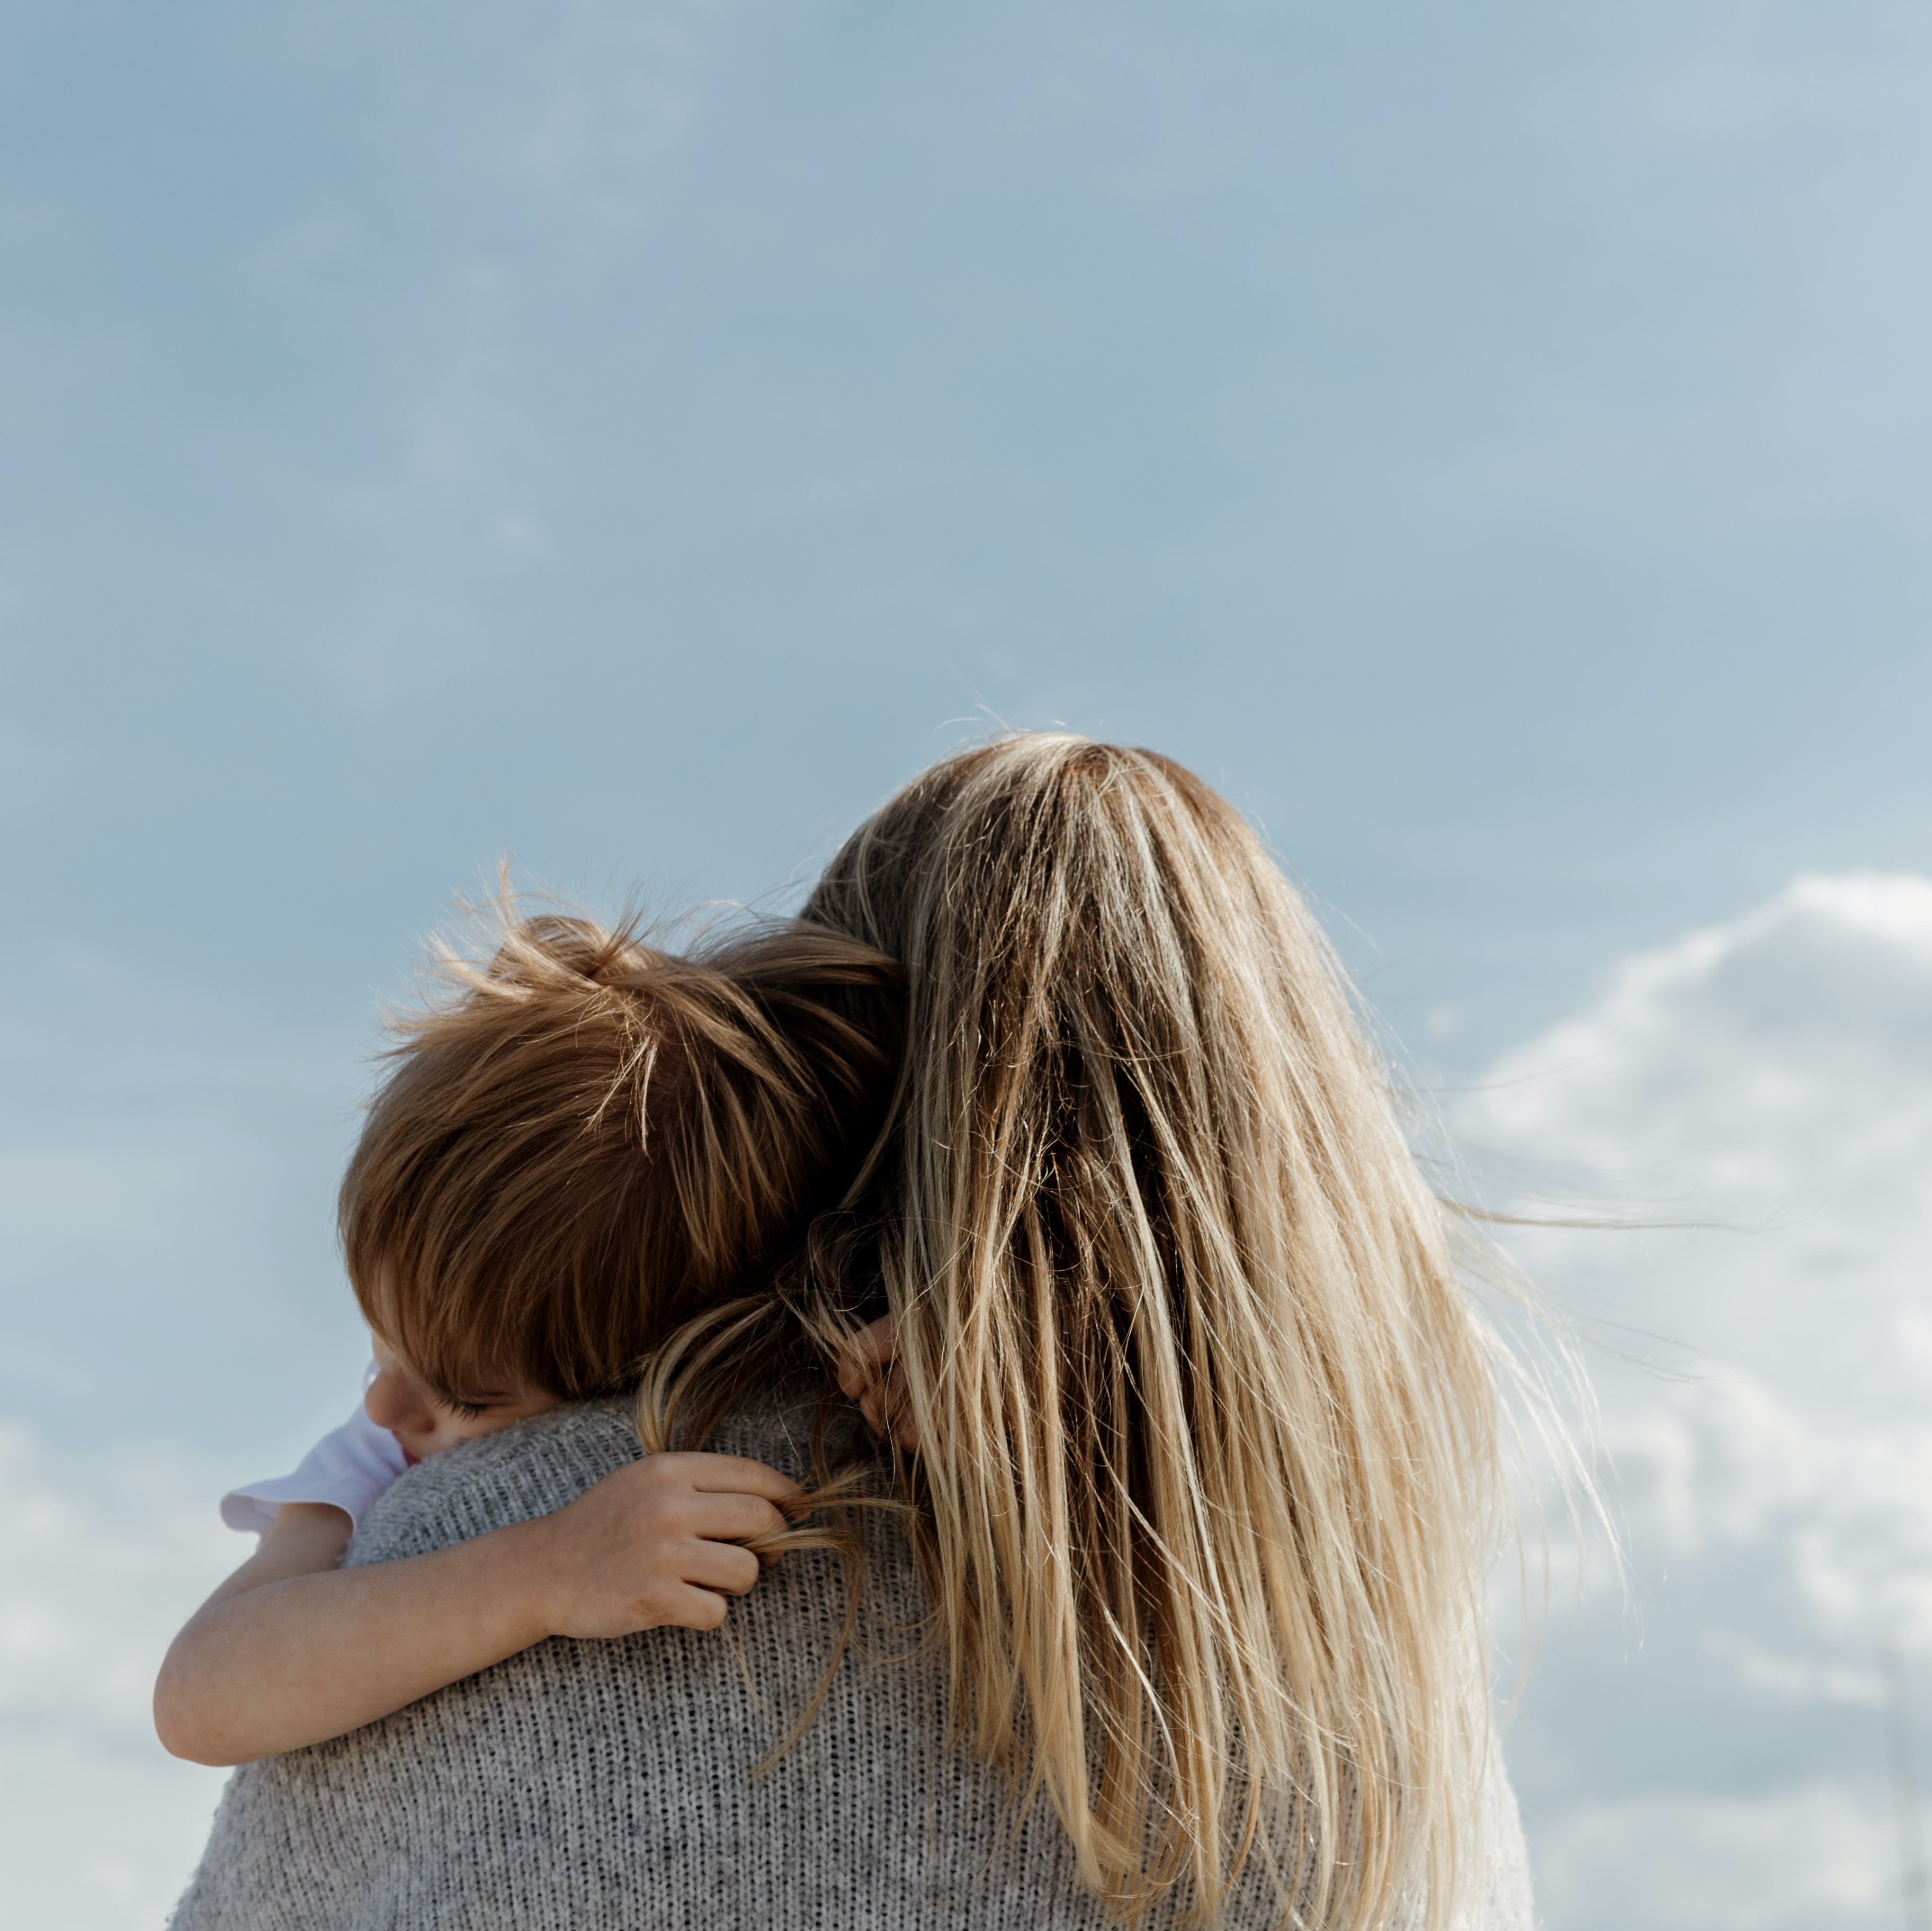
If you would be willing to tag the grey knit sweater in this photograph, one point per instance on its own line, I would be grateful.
(613, 1786)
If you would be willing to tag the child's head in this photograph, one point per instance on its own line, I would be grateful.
(588, 1139)
(425, 1421)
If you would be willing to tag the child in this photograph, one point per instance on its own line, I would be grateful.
(589, 1142)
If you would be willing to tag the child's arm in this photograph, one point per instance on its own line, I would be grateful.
(291, 1650)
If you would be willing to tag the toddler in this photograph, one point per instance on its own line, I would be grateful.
(583, 1144)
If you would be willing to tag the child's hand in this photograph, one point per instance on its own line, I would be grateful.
(883, 1399)
(658, 1542)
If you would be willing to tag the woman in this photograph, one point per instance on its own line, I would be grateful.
(1206, 1491)
(1202, 1499)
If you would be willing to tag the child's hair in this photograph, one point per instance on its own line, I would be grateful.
(1207, 1479)
(585, 1140)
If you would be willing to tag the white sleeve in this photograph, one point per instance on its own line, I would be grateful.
(349, 1466)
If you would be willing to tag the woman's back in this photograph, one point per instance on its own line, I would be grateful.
(601, 1785)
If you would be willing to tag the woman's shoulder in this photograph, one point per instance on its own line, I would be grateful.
(778, 1422)
(533, 1468)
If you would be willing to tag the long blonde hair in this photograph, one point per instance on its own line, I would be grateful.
(1206, 1487)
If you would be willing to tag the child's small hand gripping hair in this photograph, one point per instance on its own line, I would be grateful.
(660, 1542)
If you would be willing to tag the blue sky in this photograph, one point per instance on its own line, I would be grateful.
(1492, 444)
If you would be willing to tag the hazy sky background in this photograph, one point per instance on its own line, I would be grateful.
(1492, 444)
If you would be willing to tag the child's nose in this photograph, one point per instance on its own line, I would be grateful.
(393, 1402)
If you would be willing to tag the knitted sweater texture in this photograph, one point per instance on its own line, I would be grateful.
(614, 1786)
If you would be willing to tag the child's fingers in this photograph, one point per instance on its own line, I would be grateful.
(873, 1348)
(722, 1566)
(881, 1396)
(886, 1405)
(737, 1517)
(689, 1608)
(878, 1342)
(735, 1474)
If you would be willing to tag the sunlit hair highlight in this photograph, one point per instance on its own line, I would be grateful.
(1207, 1487)
(582, 1139)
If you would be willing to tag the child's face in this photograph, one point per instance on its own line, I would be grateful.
(427, 1423)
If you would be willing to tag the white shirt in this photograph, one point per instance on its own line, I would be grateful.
(349, 1466)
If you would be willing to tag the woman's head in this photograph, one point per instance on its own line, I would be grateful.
(1207, 1421)
(587, 1139)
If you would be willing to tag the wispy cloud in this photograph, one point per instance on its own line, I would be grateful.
(1772, 1074)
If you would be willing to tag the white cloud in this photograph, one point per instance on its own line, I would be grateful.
(1685, 1862)
(1717, 1758)
(98, 1826)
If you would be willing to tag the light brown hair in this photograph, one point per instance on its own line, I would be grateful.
(585, 1139)
(1207, 1482)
